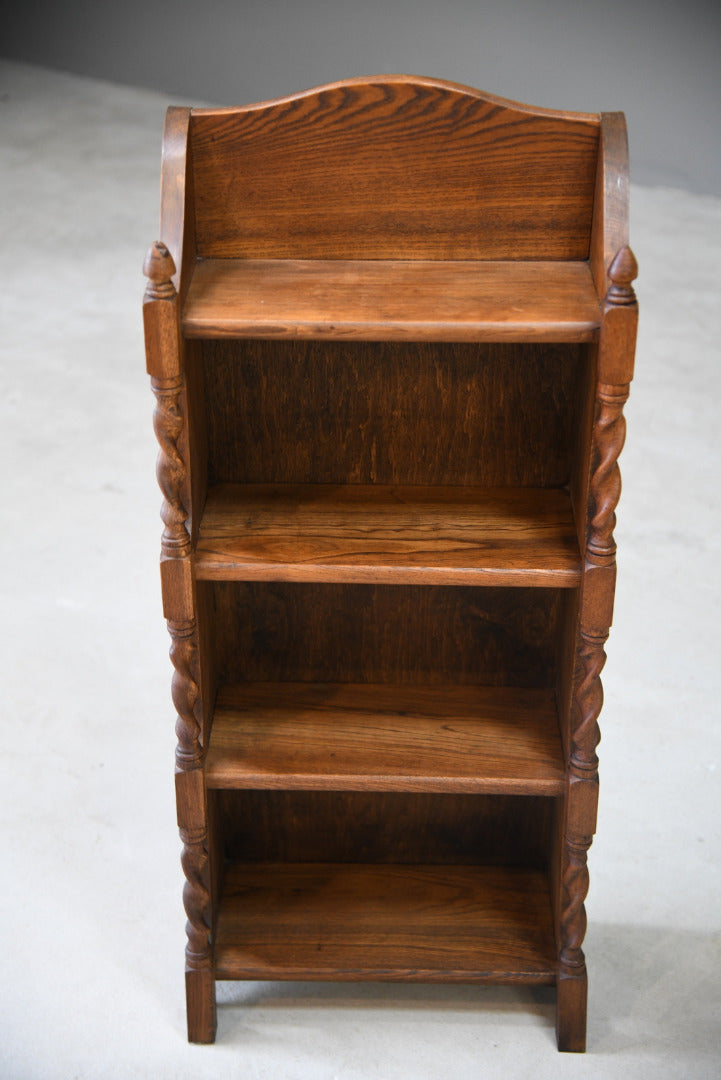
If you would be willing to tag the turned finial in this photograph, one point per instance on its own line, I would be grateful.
(159, 269)
(622, 271)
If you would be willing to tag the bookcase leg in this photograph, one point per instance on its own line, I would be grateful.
(200, 1003)
(571, 997)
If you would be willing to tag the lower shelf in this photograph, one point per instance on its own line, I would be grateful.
(350, 921)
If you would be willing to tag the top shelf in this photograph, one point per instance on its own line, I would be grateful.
(411, 300)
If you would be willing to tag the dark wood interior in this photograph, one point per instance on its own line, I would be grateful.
(353, 412)
(275, 631)
(393, 827)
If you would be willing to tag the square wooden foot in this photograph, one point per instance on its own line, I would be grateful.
(200, 1005)
(571, 995)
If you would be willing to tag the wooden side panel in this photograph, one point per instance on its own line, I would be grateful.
(391, 413)
(393, 168)
(196, 439)
(168, 267)
(177, 206)
(610, 210)
(583, 412)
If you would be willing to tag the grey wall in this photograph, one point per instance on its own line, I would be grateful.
(658, 61)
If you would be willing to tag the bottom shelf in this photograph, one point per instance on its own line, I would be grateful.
(349, 921)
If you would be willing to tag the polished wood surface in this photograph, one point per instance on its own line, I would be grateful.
(390, 327)
(386, 300)
(358, 533)
(615, 369)
(408, 923)
(609, 232)
(420, 413)
(164, 355)
(177, 202)
(393, 167)
(497, 740)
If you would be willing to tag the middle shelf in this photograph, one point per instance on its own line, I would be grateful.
(463, 739)
(359, 533)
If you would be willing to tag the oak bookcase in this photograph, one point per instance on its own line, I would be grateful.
(390, 328)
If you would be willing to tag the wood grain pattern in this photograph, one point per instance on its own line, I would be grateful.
(199, 965)
(615, 361)
(306, 921)
(177, 198)
(486, 415)
(380, 738)
(360, 534)
(160, 318)
(393, 167)
(386, 300)
(165, 363)
(610, 208)
(609, 435)
(186, 693)
(440, 829)
(171, 469)
(160, 315)
(571, 1005)
(192, 821)
(397, 303)
(430, 635)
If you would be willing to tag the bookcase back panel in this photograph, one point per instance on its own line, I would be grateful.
(431, 635)
(394, 827)
(391, 413)
(393, 167)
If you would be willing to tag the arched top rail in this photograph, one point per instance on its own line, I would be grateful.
(441, 86)
(393, 167)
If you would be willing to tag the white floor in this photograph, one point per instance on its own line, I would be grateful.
(91, 958)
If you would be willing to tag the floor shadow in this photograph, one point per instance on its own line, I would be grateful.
(656, 989)
(243, 1004)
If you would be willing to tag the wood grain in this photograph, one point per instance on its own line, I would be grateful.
(610, 209)
(415, 635)
(381, 738)
(408, 535)
(440, 829)
(354, 921)
(393, 167)
(386, 300)
(177, 198)
(398, 294)
(356, 412)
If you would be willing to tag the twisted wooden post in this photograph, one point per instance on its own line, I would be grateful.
(162, 339)
(170, 469)
(605, 490)
(615, 356)
(185, 693)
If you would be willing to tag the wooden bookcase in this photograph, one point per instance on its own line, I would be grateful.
(390, 327)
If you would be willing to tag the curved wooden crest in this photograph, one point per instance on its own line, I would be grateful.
(393, 167)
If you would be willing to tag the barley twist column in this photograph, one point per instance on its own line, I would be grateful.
(615, 359)
(162, 338)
